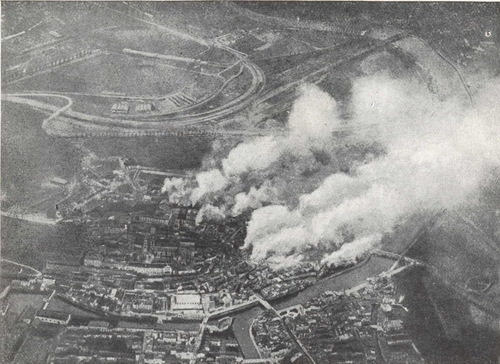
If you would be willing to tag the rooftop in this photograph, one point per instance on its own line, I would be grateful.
(187, 299)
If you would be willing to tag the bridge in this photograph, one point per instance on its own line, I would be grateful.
(252, 302)
(199, 337)
(268, 306)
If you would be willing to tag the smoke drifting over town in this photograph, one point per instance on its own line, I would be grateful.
(315, 190)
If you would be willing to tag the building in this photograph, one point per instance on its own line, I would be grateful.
(120, 108)
(191, 216)
(59, 181)
(115, 230)
(187, 249)
(149, 269)
(153, 220)
(144, 108)
(93, 259)
(53, 317)
(184, 302)
(393, 325)
(144, 305)
(47, 283)
(55, 34)
(98, 324)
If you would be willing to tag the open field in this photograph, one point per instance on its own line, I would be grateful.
(114, 73)
(276, 65)
(205, 18)
(403, 234)
(52, 100)
(35, 349)
(217, 54)
(283, 70)
(458, 252)
(283, 47)
(247, 44)
(22, 16)
(90, 16)
(58, 305)
(316, 38)
(146, 39)
(19, 301)
(440, 77)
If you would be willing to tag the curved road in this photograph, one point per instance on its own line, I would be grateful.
(37, 272)
(38, 104)
(164, 123)
(258, 83)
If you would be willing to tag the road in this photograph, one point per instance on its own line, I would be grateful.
(253, 339)
(159, 123)
(38, 104)
(37, 272)
(460, 76)
(238, 104)
(169, 30)
(174, 125)
(29, 217)
(258, 83)
(290, 332)
(199, 337)
(292, 23)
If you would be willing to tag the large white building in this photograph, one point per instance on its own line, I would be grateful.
(150, 269)
(184, 302)
(53, 317)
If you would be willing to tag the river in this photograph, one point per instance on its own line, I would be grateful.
(30, 157)
(351, 278)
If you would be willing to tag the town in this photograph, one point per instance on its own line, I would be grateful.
(250, 182)
(152, 265)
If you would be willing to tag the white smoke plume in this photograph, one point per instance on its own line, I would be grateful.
(434, 158)
(269, 220)
(210, 213)
(178, 190)
(254, 155)
(210, 181)
(313, 118)
(310, 128)
(349, 252)
(255, 198)
(283, 262)
(335, 195)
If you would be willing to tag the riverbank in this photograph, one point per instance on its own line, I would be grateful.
(344, 280)
(341, 281)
